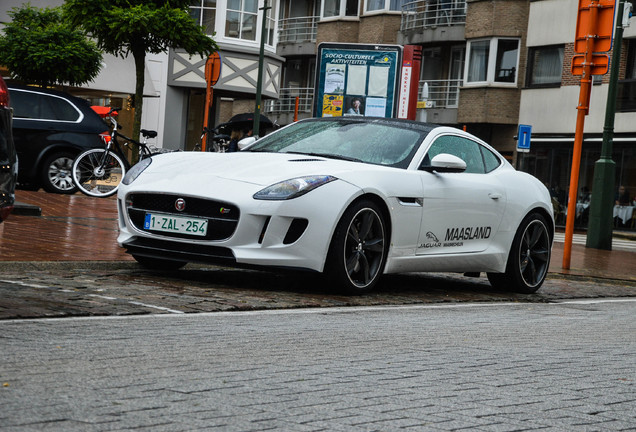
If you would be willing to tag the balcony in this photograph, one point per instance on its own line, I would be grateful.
(439, 93)
(296, 30)
(433, 20)
(282, 109)
(440, 99)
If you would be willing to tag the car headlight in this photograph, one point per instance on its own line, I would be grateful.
(293, 188)
(136, 170)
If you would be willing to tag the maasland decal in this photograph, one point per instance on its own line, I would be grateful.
(455, 237)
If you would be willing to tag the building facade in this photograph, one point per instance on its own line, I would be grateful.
(487, 66)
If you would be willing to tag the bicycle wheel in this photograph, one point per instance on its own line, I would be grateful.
(98, 172)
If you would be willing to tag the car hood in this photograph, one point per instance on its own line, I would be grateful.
(261, 169)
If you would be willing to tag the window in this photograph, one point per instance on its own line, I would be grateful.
(491, 161)
(384, 5)
(42, 107)
(465, 149)
(545, 66)
(340, 8)
(204, 13)
(492, 61)
(241, 19)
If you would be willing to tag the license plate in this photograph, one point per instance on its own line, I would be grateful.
(175, 224)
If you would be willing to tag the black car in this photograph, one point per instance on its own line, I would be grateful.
(8, 162)
(50, 128)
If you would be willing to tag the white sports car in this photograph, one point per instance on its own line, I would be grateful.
(351, 197)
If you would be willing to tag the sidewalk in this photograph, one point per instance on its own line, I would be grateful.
(82, 228)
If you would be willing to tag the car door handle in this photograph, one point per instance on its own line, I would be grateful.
(495, 195)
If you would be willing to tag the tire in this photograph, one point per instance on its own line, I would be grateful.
(158, 263)
(529, 258)
(96, 180)
(56, 173)
(358, 249)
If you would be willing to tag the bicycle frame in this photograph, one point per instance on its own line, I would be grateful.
(114, 146)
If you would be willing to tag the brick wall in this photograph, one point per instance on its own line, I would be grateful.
(489, 19)
(338, 31)
(379, 29)
(489, 105)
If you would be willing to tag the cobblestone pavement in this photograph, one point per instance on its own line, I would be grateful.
(58, 289)
(495, 367)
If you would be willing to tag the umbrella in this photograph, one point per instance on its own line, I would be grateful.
(248, 119)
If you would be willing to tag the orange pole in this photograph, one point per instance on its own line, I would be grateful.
(296, 109)
(583, 108)
(206, 116)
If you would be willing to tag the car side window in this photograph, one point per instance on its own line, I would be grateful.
(42, 107)
(467, 150)
(491, 161)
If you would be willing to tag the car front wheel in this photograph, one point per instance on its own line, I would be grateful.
(358, 248)
(57, 173)
(529, 257)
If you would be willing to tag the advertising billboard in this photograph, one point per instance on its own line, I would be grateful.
(357, 79)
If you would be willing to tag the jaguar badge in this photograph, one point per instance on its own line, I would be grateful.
(180, 204)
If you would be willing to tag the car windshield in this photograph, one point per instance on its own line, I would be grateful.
(370, 141)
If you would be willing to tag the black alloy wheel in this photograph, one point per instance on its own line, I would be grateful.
(529, 257)
(358, 248)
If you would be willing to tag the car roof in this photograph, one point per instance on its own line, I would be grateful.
(78, 100)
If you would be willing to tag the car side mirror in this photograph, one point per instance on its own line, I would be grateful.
(445, 162)
(246, 142)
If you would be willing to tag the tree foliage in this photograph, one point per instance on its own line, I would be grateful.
(40, 47)
(137, 27)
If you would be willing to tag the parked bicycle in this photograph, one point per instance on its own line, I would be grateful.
(215, 141)
(99, 172)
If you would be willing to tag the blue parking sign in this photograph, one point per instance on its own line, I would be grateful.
(523, 138)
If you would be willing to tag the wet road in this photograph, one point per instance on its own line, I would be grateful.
(122, 288)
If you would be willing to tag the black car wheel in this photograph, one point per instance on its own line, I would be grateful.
(529, 257)
(56, 173)
(358, 249)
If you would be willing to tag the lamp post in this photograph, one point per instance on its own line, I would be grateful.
(259, 82)
(599, 233)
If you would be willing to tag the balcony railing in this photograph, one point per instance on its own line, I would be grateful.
(301, 29)
(439, 93)
(423, 14)
(286, 101)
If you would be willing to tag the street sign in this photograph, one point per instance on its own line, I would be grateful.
(601, 13)
(599, 66)
(213, 68)
(523, 138)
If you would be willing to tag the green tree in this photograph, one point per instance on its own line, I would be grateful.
(137, 27)
(40, 47)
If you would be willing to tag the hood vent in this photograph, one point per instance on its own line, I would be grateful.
(306, 160)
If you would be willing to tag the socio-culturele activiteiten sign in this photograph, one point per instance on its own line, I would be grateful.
(354, 79)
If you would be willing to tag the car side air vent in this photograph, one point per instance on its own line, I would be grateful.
(306, 160)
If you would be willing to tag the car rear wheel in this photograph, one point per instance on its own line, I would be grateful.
(358, 248)
(56, 173)
(529, 257)
(158, 263)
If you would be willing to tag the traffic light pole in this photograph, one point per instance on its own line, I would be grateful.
(599, 233)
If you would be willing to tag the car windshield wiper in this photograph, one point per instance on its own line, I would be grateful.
(328, 156)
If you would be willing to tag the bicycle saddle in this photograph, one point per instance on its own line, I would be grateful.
(148, 133)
